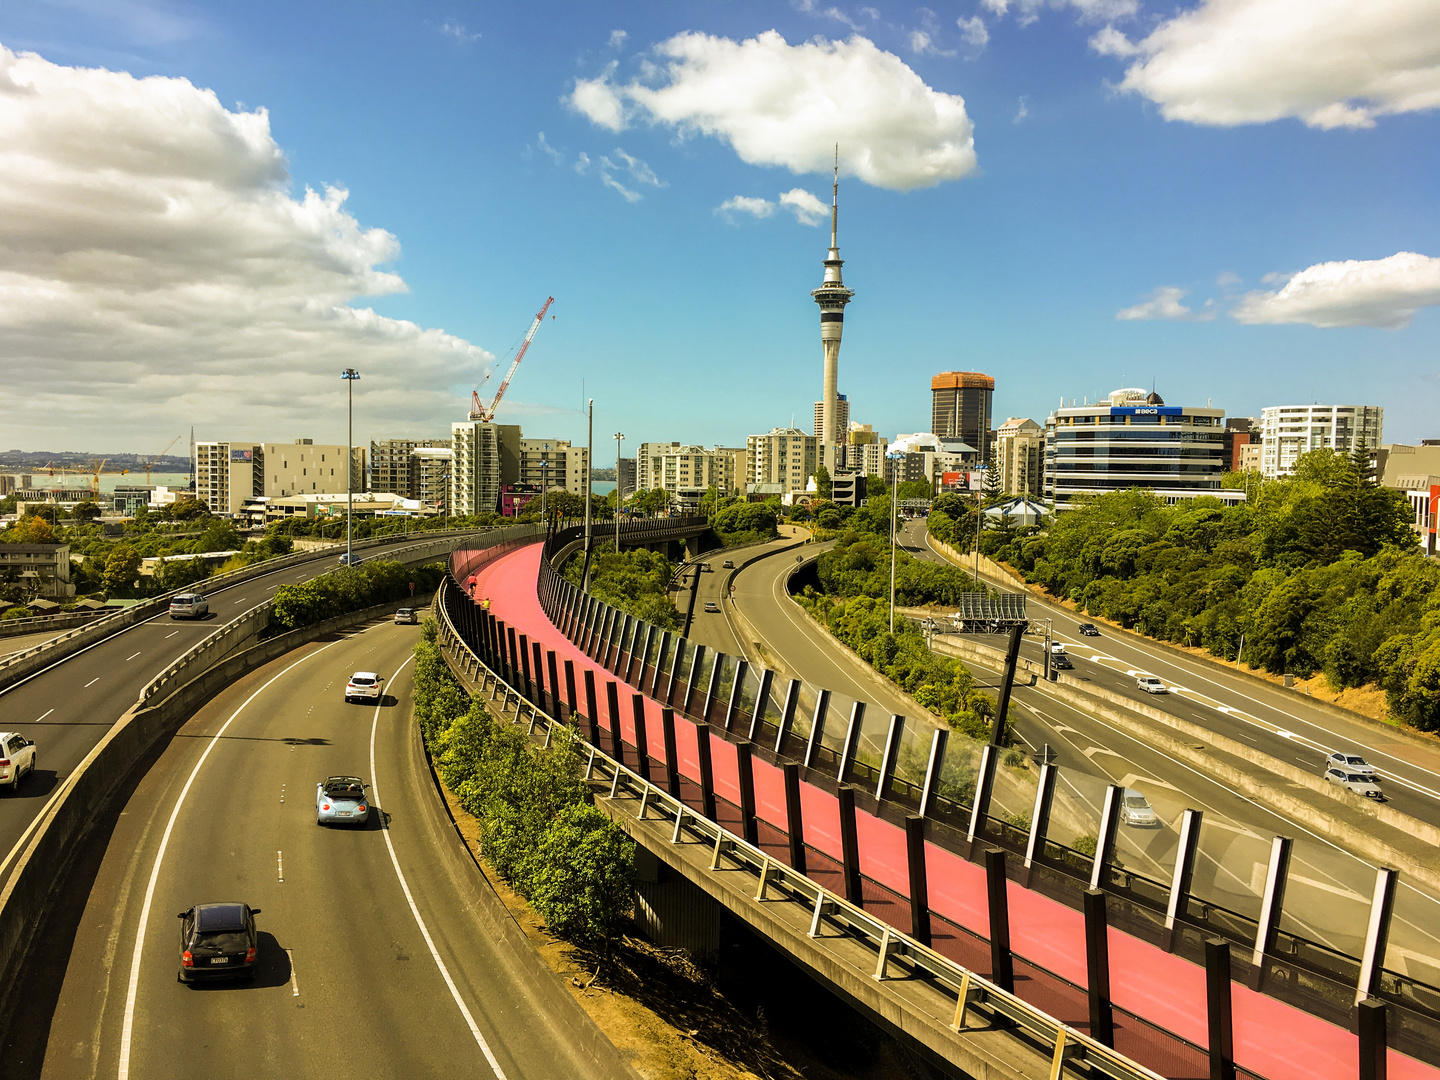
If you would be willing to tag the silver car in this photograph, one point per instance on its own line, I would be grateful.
(189, 606)
(1352, 763)
(1356, 782)
(1136, 810)
(1151, 685)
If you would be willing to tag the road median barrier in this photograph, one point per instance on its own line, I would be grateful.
(40, 861)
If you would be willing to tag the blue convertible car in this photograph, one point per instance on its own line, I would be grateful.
(341, 800)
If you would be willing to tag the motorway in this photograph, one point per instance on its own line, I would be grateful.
(383, 950)
(1329, 894)
(69, 706)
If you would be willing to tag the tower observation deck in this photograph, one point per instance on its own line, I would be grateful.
(832, 296)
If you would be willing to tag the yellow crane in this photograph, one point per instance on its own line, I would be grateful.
(151, 461)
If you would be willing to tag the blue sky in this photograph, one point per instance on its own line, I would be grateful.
(1093, 192)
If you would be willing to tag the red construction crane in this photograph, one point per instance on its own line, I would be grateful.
(480, 412)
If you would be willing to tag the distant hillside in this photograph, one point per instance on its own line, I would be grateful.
(12, 461)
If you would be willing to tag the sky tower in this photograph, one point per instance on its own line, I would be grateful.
(832, 296)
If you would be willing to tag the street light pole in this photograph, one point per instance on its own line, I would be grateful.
(619, 489)
(589, 491)
(350, 375)
(544, 490)
(894, 512)
(1047, 649)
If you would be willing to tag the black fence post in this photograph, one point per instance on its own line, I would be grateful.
(612, 707)
(850, 845)
(642, 743)
(794, 816)
(570, 701)
(591, 713)
(745, 766)
(1373, 1039)
(514, 663)
(538, 656)
(551, 670)
(1002, 962)
(672, 765)
(1218, 1006)
(919, 880)
(1097, 964)
(707, 771)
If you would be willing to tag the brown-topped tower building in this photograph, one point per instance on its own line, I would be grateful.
(960, 408)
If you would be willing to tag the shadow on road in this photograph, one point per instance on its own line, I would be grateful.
(272, 969)
(36, 785)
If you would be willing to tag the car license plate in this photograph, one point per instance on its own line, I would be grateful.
(219, 959)
(342, 813)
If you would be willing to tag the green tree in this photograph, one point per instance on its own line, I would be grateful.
(994, 487)
(875, 485)
(31, 529)
(86, 511)
(822, 482)
(122, 568)
(583, 879)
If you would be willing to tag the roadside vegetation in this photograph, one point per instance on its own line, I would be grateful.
(636, 581)
(538, 826)
(1319, 573)
(351, 588)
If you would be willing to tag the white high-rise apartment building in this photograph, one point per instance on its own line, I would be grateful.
(1287, 431)
(688, 471)
(783, 456)
(553, 462)
(227, 474)
(1020, 448)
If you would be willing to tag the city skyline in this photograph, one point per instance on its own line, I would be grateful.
(1026, 196)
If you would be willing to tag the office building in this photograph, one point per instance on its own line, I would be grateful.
(1135, 441)
(1240, 433)
(228, 473)
(625, 475)
(831, 296)
(687, 471)
(391, 466)
(429, 482)
(784, 457)
(1020, 452)
(1287, 431)
(484, 456)
(960, 408)
(1415, 470)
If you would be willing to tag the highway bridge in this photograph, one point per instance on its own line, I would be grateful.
(847, 836)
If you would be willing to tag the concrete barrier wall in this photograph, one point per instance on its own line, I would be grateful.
(25, 664)
(84, 796)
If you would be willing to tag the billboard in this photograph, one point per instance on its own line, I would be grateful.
(245, 456)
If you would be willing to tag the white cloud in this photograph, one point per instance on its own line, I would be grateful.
(808, 210)
(1227, 278)
(582, 162)
(1164, 303)
(544, 144)
(1329, 63)
(809, 7)
(744, 204)
(1381, 292)
(1022, 110)
(158, 273)
(633, 167)
(973, 31)
(788, 105)
(921, 44)
(1111, 42)
(456, 30)
(1027, 11)
(617, 38)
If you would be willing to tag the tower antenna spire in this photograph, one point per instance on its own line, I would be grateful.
(835, 199)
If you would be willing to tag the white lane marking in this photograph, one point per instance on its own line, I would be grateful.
(171, 634)
(131, 657)
(92, 682)
(42, 716)
(294, 982)
(409, 899)
(280, 867)
(127, 1030)
(242, 600)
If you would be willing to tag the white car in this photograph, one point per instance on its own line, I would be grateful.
(17, 758)
(1057, 648)
(189, 606)
(1151, 685)
(1135, 809)
(363, 686)
(1352, 763)
(1356, 782)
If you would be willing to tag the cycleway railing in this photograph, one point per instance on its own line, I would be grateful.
(777, 881)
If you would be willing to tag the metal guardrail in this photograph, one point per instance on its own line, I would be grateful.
(1067, 1045)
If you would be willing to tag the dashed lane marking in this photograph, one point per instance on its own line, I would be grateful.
(92, 682)
(42, 716)
(131, 657)
(294, 981)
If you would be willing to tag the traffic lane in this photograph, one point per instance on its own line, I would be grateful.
(714, 629)
(361, 966)
(1271, 706)
(67, 708)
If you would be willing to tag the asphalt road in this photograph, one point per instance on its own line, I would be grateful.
(1329, 894)
(383, 951)
(68, 707)
(1278, 722)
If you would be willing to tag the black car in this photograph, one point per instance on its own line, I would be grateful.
(218, 941)
(1088, 629)
(1061, 661)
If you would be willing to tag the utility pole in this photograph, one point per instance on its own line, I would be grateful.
(619, 489)
(589, 462)
(544, 490)
(894, 511)
(350, 375)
